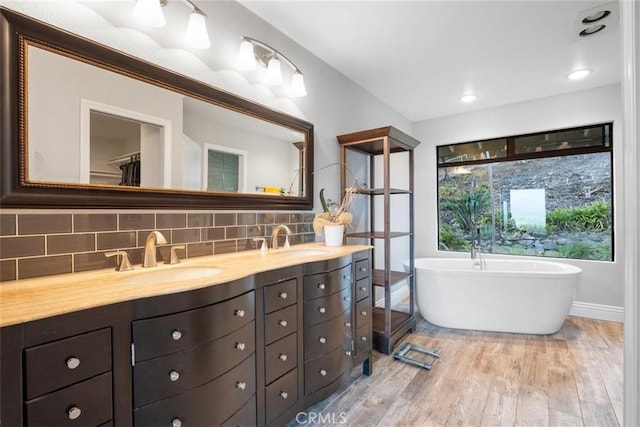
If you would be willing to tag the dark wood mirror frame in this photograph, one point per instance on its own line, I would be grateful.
(16, 191)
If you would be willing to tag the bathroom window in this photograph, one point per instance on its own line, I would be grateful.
(547, 194)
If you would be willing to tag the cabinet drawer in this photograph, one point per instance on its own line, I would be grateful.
(280, 323)
(362, 269)
(280, 357)
(169, 334)
(363, 338)
(166, 376)
(363, 289)
(326, 308)
(281, 395)
(324, 337)
(323, 284)
(86, 403)
(58, 364)
(280, 295)
(363, 312)
(321, 371)
(246, 416)
(209, 404)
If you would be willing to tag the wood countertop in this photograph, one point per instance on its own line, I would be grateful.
(33, 299)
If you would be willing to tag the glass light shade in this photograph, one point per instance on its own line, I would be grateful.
(149, 13)
(274, 75)
(246, 59)
(297, 85)
(196, 34)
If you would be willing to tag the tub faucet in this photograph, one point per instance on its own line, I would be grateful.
(476, 255)
(274, 236)
(155, 237)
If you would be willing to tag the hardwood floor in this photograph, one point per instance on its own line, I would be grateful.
(571, 378)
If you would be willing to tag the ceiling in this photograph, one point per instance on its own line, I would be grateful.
(419, 57)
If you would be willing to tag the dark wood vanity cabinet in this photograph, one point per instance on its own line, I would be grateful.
(255, 351)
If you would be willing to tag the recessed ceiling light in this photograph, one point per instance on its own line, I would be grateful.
(470, 97)
(594, 17)
(579, 74)
(592, 29)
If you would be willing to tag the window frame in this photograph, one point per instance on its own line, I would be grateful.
(511, 155)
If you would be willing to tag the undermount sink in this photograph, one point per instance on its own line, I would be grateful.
(295, 253)
(166, 276)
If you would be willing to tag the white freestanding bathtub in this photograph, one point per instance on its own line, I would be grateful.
(520, 296)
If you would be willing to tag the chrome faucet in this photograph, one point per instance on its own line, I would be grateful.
(476, 255)
(274, 236)
(154, 238)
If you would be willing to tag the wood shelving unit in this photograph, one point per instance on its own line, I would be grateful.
(378, 146)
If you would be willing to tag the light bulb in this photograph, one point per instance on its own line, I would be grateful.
(196, 34)
(149, 13)
(246, 59)
(470, 97)
(579, 74)
(297, 85)
(274, 76)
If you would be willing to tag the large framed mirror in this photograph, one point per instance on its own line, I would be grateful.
(86, 126)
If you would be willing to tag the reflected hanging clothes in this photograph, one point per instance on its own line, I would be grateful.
(131, 172)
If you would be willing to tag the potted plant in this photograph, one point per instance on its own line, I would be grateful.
(334, 217)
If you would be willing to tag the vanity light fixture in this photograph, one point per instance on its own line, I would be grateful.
(579, 74)
(253, 51)
(469, 97)
(149, 13)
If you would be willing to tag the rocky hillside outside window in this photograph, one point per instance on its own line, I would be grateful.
(546, 194)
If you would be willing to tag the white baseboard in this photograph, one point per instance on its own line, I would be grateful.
(597, 311)
(398, 296)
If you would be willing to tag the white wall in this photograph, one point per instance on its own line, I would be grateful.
(602, 282)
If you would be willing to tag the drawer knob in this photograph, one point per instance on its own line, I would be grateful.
(240, 346)
(321, 286)
(283, 295)
(347, 324)
(74, 412)
(363, 289)
(176, 335)
(284, 394)
(363, 338)
(348, 352)
(174, 376)
(323, 340)
(364, 313)
(73, 362)
(241, 385)
(322, 310)
(176, 422)
(282, 323)
(238, 313)
(282, 357)
(363, 269)
(323, 372)
(347, 299)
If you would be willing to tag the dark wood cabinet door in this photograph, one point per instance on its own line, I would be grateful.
(281, 395)
(324, 284)
(172, 333)
(58, 364)
(280, 357)
(280, 323)
(209, 404)
(280, 295)
(167, 376)
(326, 308)
(325, 337)
(84, 404)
